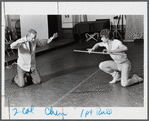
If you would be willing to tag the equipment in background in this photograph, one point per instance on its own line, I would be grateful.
(94, 36)
(8, 50)
(116, 33)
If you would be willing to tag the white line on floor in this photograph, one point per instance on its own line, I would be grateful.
(75, 88)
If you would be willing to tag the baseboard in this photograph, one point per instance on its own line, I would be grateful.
(128, 40)
(139, 40)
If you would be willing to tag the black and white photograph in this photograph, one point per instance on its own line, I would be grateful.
(74, 65)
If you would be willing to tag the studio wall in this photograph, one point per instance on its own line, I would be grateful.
(37, 22)
(134, 27)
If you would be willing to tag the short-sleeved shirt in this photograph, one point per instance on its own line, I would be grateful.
(115, 45)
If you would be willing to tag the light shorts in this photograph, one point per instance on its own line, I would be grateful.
(120, 65)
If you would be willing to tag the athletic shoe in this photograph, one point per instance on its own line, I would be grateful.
(137, 78)
(116, 78)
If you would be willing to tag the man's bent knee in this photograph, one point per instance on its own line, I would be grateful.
(101, 66)
(37, 81)
(21, 84)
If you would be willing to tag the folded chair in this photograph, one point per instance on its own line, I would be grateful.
(94, 36)
(8, 50)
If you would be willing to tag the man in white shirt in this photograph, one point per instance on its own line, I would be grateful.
(119, 63)
(26, 56)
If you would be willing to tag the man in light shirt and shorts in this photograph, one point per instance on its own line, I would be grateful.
(120, 62)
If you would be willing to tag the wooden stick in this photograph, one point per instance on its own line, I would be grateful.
(99, 52)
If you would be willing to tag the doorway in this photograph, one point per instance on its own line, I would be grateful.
(55, 25)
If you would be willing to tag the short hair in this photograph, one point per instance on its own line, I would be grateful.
(32, 31)
(107, 33)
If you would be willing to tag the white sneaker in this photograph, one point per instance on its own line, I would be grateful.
(116, 78)
(137, 78)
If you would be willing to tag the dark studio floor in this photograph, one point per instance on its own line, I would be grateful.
(71, 79)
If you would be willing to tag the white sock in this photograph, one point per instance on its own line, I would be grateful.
(113, 73)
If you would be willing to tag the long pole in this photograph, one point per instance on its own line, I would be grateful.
(99, 52)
